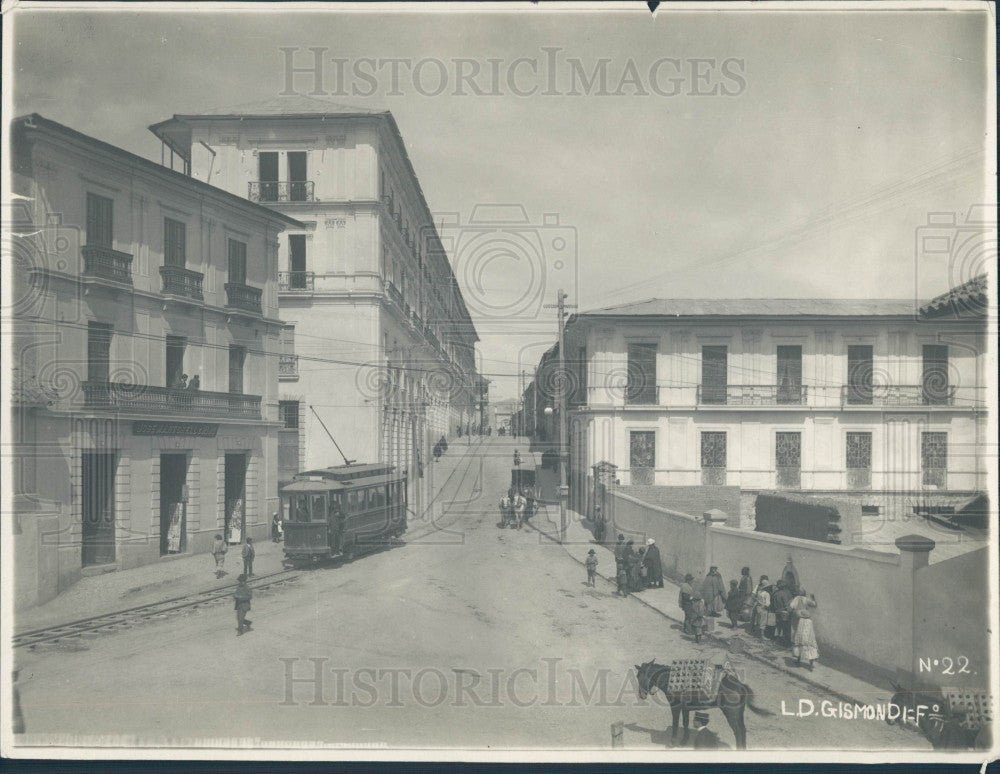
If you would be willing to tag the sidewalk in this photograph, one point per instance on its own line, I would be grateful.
(823, 678)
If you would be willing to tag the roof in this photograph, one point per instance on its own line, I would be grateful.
(758, 307)
(312, 486)
(351, 472)
(35, 121)
(969, 299)
(283, 106)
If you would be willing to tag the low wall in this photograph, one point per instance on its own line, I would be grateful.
(681, 538)
(694, 500)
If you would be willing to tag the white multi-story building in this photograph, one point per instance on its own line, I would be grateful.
(880, 400)
(145, 338)
(380, 354)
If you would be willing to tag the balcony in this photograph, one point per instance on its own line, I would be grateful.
(395, 294)
(108, 264)
(146, 400)
(751, 395)
(178, 281)
(891, 395)
(288, 367)
(243, 297)
(296, 281)
(642, 395)
(266, 191)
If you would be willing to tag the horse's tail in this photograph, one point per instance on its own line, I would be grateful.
(753, 707)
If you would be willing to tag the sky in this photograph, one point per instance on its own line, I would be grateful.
(795, 153)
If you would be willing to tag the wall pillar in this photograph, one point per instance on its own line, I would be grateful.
(710, 517)
(914, 555)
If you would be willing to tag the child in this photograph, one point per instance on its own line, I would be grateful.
(242, 597)
(734, 603)
(591, 567)
(219, 549)
(697, 616)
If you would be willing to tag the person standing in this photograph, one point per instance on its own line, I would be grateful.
(734, 604)
(276, 528)
(713, 592)
(761, 606)
(242, 597)
(780, 601)
(620, 573)
(219, 549)
(631, 567)
(804, 645)
(697, 616)
(248, 555)
(746, 593)
(591, 567)
(685, 597)
(654, 566)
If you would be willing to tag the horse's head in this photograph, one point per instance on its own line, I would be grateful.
(647, 675)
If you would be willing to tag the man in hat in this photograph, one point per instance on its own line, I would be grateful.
(654, 567)
(703, 738)
(591, 567)
(242, 597)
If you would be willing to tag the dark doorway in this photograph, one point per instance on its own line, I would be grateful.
(173, 503)
(175, 362)
(236, 487)
(98, 473)
(268, 169)
(714, 377)
(297, 185)
(860, 374)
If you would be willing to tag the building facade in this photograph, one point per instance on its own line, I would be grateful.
(379, 346)
(145, 360)
(875, 400)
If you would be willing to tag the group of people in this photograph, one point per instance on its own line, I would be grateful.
(243, 592)
(782, 612)
(637, 570)
(516, 506)
(181, 382)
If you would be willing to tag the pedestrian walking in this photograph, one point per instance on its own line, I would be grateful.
(713, 592)
(804, 645)
(242, 597)
(219, 549)
(248, 555)
(734, 604)
(654, 566)
(591, 567)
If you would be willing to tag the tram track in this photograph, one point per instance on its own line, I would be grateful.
(123, 619)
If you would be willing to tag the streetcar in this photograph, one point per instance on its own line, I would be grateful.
(345, 511)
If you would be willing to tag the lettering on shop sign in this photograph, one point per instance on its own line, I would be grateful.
(199, 429)
(336, 140)
(336, 223)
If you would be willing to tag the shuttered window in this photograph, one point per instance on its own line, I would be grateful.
(100, 221)
(237, 262)
(174, 243)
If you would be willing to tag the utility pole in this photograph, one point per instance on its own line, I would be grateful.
(561, 402)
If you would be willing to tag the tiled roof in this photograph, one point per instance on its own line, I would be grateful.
(758, 307)
(967, 300)
(286, 106)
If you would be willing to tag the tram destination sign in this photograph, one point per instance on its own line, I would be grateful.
(201, 429)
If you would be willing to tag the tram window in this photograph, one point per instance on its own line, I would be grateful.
(286, 509)
(391, 491)
(352, 502)
(335, 507)
(379, 496)
(301, 510)
(318, 508)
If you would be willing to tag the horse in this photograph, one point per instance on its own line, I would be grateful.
(733, 696)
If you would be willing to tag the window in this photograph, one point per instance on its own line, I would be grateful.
(788, 459)
(936, 389)
(175, 361)
(713, 374)
(289, 410)
(237, 356)
(642, 456)
(934, 459)
(859, 374)
(300, 508)
(100, 221)
(297, 261)
(297, 185)
(713, 458)
(789, 374)
(859, 460)
(174, 238)
(237, 262)
(267, 166)
(641, 389)
(98, 352)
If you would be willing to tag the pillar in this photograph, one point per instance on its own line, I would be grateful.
(914, 555)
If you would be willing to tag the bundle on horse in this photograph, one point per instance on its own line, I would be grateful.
(724, 691)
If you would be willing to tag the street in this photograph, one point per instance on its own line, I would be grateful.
(465, 635)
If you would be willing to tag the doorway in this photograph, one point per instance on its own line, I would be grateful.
(236, 486)
(98, 490)
(173, 503)
(268, 176)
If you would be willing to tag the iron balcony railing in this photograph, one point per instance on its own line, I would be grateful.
(292, 281)
(897, 395)
(645, 395)
(178, 281)
(107, 264)
(244, 297)
(751, 395)
(272, 191)
(288, 366)
(145, 399)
